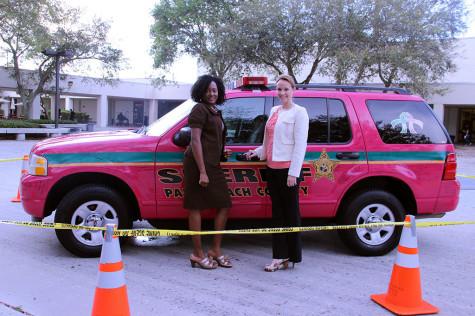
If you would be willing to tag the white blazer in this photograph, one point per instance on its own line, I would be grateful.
(290, 138)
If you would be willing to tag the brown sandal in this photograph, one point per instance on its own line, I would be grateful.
(223, 261)
(277, 264)
(205, 263)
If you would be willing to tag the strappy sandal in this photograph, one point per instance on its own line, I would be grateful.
(223, 261)
(277, 264)
(205, 263)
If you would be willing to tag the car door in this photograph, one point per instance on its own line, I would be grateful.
(245, 119)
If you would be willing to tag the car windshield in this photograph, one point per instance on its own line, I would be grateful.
(163, 124)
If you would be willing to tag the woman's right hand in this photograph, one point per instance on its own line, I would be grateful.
(204, 180)
(250, 154)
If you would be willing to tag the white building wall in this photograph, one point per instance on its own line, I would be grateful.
(439, 111)
(153, 111)
(456, 94)
(141, 90)
(102, 111)
(450, 120)
(87, 106)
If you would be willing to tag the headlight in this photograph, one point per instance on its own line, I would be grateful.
(37, 166)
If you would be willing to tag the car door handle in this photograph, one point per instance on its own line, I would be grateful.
(347, 155)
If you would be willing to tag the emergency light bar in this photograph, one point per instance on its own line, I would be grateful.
(251, 82)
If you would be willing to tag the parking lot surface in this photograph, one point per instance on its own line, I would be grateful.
(38, 276)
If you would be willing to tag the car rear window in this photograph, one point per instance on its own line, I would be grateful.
(406, 122)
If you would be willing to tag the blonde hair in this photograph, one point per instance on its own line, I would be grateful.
(287, 78)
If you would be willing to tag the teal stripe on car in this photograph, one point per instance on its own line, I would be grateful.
(133, 157)
(406, 155)
(99, 157)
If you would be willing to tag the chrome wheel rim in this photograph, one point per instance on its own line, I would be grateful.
(375, 213)
(93, 214)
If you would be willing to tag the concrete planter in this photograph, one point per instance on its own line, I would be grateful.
(21, 132)
(79, 127)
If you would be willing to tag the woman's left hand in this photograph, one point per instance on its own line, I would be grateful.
(291, 181)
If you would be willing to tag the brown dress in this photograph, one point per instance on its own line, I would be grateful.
(213, 134)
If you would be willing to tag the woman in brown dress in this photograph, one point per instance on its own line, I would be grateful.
(205, 183)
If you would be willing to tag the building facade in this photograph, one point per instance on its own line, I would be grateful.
(456, 107)
(122, 103)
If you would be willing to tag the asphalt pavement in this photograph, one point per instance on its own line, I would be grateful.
(39, 277)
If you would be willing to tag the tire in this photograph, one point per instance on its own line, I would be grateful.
(370, 207)
(90, 205)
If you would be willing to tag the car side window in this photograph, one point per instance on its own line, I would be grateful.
(245, 120)
(406, 122)
(320, 112)
(318, 116)
(340, 131)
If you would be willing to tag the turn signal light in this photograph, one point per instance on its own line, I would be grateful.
(38, 166)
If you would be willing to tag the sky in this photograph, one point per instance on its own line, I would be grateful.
(130, 31)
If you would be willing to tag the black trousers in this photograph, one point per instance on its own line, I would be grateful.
(285, 213)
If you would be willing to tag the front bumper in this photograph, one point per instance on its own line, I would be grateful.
(33, 191)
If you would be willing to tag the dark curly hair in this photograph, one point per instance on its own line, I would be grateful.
(200, 87)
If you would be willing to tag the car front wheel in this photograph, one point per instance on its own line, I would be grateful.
(93, 206)
(375, 206)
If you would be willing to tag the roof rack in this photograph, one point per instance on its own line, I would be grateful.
(347, 88)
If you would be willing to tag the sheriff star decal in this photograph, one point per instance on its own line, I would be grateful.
(324, 166)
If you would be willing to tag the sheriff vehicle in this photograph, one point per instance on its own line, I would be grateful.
(373, 155)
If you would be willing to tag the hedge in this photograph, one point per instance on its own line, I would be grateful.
(43, 121)
(18, 124)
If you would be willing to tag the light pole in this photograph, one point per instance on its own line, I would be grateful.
(56, 53)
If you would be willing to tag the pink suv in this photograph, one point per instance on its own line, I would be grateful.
(373, 155)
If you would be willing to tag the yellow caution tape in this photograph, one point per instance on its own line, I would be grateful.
(168, 232)
(465, 176)
(10, 159)
(50, 225)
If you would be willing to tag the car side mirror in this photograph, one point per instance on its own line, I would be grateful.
(182, 138)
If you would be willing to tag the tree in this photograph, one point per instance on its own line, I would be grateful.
(401, 42)
(29, 26)
(284, 35)
(204, 29)
(349, 59)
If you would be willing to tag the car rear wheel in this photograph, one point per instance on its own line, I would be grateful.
(375, 206)
(94, 206)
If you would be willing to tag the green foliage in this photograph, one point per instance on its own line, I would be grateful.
(201, 28)
(43, 121)
(18, 124)
(286, 35)
(400, 42)
(29, 26)
(82, 117)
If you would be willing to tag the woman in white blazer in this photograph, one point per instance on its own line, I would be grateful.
(284, 146)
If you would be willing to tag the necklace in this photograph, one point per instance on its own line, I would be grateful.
(213, 108)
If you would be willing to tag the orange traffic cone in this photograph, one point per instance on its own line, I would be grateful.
(404, 296)
(24, 171)
(111, 292)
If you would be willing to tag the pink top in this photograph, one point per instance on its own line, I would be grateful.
(270, 126)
